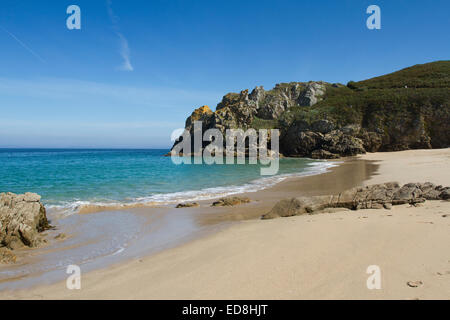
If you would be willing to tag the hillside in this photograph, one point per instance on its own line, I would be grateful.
(407, 109)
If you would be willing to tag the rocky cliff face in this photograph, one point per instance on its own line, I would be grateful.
(22, 218)
(407, 109)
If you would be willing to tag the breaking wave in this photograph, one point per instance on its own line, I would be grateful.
(163, 199)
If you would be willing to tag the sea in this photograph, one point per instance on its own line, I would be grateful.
(71, 179)
(68, 179)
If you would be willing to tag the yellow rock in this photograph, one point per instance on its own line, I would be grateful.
(198, 113)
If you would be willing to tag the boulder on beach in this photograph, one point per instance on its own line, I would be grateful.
(377, 196)
(230, 201)
(22, 219)
(187, 205)
(286, 208)
(445, 194)
(7, 256)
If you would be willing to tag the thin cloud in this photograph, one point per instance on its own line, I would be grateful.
(123, 42)
(23, 44)
(125, 53)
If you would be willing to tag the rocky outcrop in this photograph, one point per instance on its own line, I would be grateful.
(22, 219)
(187, 205)
(408, 109)
(230, 201)
(313, 93)
(323, 143)
(295, 207)
(234, 111)
(376, 196)
(445, 194)
(203, 114)
(323, 154)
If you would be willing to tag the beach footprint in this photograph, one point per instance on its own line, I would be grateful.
(414, 284)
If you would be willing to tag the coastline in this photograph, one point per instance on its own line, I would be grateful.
(146, 228)
(348, 173)
(272, 259)
(169, 199)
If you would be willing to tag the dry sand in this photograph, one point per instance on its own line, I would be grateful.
(323, 256)
(411, 166)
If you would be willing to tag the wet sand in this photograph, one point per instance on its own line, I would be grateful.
(313, 256)
(351, 172)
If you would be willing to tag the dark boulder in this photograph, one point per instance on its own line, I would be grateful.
(187, 205)
(322, 126)
(230, 201)
(323, 154)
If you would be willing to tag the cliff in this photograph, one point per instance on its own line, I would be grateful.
(407, 109)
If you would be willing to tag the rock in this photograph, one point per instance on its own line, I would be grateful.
(376, 196)
(22, 218)
(342, 144)
(31, 197)
(234, 111)
(351, 129)
(409, 193)
(273, 107)
(323, 154)
(387, 206)
(430, 191)
(286, 208)
(257, 95)
(277, 101)
(334, 210)
(302, 139)
(322, 126)
(200, 114)
(297, 206)
(7, 256)
(445, 194)
(362, 125)
(60, 236)
(299, 141)
(187, 205)
(230, 201)
(372, 141)
(414, 193)
(313, 93)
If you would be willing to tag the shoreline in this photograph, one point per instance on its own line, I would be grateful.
(220, 253)
(206, 220)
(201, 195)
(348, 173)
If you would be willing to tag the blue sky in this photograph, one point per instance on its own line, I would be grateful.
(136, 69)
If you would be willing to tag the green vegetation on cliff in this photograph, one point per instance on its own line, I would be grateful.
(405, 91)
(393, 104)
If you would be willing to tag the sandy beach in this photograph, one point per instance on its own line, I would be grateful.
(320, 256)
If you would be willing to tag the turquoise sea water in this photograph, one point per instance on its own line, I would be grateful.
(69, 178)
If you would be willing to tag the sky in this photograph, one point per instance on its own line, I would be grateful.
(136, 69)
